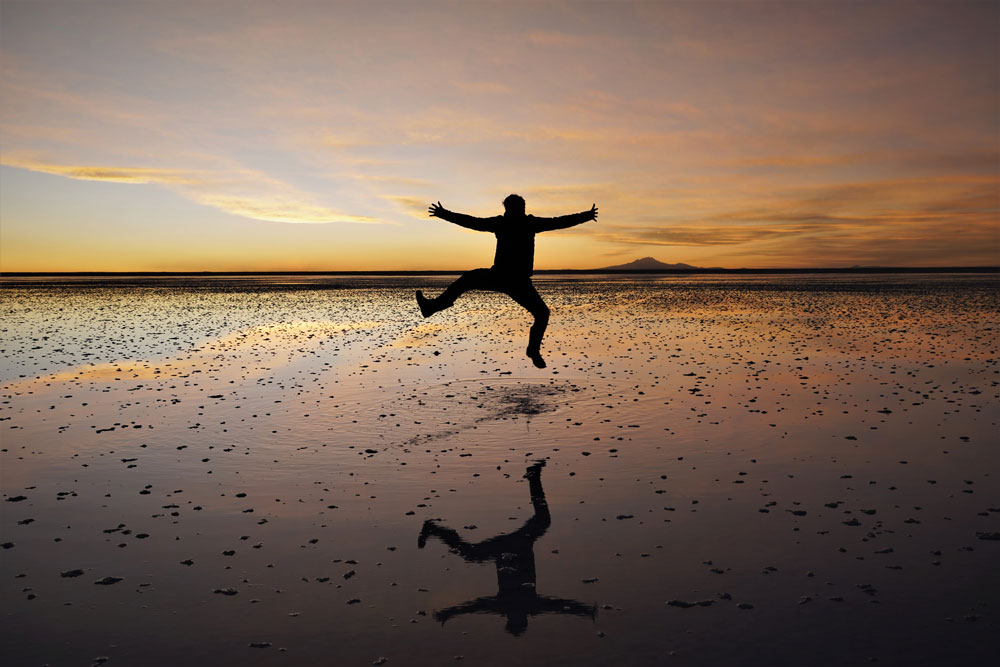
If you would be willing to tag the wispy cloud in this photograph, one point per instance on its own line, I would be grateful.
(113, 174)
(280, 209)
(414, 206)
(204, 187)
(554, 38)
(703, 235)
(486, 87)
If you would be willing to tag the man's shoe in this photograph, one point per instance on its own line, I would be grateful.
(426, 305)
(536, 358)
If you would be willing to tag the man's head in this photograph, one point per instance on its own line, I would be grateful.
(514, 205)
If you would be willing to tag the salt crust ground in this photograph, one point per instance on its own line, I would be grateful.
(759, 471)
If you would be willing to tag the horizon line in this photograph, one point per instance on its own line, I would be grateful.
(435, 272)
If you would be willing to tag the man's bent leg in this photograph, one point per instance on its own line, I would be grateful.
(475, 279)
(527, 296)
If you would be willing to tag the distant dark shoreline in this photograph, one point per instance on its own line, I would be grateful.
(216, 274)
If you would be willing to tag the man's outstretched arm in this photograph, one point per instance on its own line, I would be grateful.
(564, 221)
(483, 605)
(462, 220)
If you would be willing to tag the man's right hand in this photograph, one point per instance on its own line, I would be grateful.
(435, 210)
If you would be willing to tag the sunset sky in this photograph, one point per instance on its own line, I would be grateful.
(312, 135)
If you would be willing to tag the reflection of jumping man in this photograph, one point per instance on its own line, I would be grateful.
(512, 264)
(514, 557)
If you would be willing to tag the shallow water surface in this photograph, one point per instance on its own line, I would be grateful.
(749, 470)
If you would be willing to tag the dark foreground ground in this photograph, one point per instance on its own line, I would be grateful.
(738, 470)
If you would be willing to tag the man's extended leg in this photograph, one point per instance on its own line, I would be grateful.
(527, 296)
(475, 279)
(539, 523)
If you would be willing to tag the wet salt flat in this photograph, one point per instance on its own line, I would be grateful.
(738, 470)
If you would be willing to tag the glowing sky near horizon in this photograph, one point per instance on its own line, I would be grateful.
(312, 136)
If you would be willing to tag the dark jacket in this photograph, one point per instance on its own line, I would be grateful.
(515, 255)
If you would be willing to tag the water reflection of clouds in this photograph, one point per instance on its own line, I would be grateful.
(422, 335)
(257, 348)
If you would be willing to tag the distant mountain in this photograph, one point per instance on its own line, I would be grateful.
(649, 264)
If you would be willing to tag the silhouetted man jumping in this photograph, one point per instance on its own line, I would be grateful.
(512, 265)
